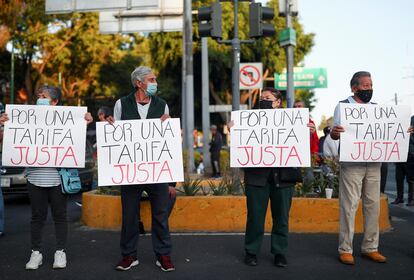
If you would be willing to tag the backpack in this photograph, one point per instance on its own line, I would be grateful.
(71, 182)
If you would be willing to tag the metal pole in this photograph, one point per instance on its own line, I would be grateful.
(183, 95)
(189, 84)
(205, 100)
(12, 75)
(290, 92)
(235, 44)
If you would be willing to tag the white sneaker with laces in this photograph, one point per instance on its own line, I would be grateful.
(35, 261)
(60, 259)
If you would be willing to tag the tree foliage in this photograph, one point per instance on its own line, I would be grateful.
(94, 69)
(166, 50)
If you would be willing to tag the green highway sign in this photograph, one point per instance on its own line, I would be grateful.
(303, 78)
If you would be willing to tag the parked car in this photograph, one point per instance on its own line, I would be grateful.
(13, 180)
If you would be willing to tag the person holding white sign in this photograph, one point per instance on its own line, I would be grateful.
(358, 180)
(44, 188)
(269, 183)
(142, 103)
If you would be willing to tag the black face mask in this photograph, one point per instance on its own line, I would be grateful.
(265, 104)
(365, 95)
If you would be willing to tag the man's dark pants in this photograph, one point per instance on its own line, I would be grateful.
(404, 170)
(159, 199)
(257, 200)
(215, 163)
(384, 174)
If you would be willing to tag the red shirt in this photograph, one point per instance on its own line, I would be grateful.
(314, 141)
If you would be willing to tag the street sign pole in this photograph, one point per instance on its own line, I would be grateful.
(290, 93)
(189, 85)
(235, 44)
(205, 101)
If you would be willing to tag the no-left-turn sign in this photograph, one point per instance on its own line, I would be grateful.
(251, 75)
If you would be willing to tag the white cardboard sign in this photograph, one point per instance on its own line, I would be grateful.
(374, 133)
(270, 138)
(44, 136)
(137, 152)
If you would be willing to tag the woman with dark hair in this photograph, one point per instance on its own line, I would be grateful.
(264, 184)
(44, 188)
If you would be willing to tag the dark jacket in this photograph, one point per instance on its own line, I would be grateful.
(216, 143)
(130, 109)
(281, 176)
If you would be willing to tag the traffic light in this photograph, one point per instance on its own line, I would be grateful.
(258, 14)
(209, 21)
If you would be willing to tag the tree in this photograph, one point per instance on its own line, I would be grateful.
(78, 52)
(266, 50)
(52, 47)
(95, 68)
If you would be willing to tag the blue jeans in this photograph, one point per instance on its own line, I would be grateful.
(1, 211)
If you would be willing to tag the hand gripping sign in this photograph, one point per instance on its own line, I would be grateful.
(139, 152)
(44, 136)
(270, 138)
(374, 133)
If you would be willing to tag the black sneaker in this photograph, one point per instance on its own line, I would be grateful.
(280, 260)
(250, 259)
(410, 203)
(127, 262)
(164, 262)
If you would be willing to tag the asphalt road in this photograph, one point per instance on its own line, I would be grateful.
(93, 254)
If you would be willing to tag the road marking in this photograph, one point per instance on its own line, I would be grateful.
(208, 233)
(396, 219)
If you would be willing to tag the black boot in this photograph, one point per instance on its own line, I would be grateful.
(280, 260)
(250, 259)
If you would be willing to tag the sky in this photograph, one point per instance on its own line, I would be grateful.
(353, 35)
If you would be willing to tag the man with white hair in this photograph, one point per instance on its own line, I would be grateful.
(142, 103)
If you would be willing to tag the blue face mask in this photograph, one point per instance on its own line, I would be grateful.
(151, 89)
(43, 101)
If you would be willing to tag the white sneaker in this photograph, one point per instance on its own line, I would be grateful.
(35, 260)
(60, 259)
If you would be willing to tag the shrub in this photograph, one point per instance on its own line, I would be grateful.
(190, 186)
